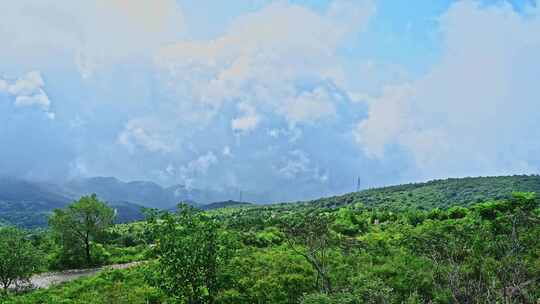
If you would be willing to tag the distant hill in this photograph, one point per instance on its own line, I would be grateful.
(225, 204)
(144, 193)
(29, 204)
(437, 193)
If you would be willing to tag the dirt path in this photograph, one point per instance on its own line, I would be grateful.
(45, 280)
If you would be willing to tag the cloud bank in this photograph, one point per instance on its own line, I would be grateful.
(281, 98)
(476, 111)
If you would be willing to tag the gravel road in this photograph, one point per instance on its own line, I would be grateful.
(45, 280)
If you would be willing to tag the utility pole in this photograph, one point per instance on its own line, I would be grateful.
(358, 184)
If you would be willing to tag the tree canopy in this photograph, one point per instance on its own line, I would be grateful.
(78, 226)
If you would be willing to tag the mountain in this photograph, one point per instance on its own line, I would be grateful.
(437, 193)
(20, 190)
(145, 193)
(110, 189)
(28, 204)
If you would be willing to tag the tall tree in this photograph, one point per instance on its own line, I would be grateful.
(191, 251)
(80, 224)
(18, 257)
(309, 236)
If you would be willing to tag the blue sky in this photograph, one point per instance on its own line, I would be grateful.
(289, 99)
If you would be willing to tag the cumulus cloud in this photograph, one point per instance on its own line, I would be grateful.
(293, 77)
(247, 121)
(284, 67)
(90, 34)
(196, 168)
(28, 91)
(476, 111)
(298, 165)
(310, 106)
(145, 134)
(388, 118)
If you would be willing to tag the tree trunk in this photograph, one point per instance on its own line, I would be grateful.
(87, 250)
(6, 285)
(327, 285)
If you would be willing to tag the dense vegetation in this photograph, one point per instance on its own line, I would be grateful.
(29, 205)
(438, 193)
(488, 252)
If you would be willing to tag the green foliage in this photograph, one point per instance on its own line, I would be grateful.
(270, 275)
(190, 252)
(321, 298)
(18, 257)
(485, 253)
(438, 193)
(78, 228)
(108, 287)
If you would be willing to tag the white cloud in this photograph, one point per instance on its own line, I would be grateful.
(388, 118)
(28, 92)
(476, 111)
(293, 133)
(227, 151)
(248, 121)
(299, 165)
(196, 168)
(276, 67)
(146, 134)
(90, 34)
(39, 99)
(310, 106)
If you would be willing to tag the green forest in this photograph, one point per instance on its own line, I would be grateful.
(451, 241)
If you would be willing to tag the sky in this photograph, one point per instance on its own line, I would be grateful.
(295, 99)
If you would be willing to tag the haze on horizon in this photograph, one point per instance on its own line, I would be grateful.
(302, 96)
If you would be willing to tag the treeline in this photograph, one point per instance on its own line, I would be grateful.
(443, 193)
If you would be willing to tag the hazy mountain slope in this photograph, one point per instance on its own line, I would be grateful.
(28, 204)
(147, 194)
(20, 190)
(144, 193)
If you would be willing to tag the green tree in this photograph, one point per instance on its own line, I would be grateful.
(191, 252)
(18, 257)
(80, 224)
(309, 235)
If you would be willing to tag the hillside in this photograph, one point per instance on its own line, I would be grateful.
(28, 204)
(368, 256)
(437, 193)
(225, 204)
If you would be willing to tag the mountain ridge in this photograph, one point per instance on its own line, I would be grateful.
(28, 204)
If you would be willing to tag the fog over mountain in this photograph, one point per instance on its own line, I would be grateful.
(112, 190)
(151, 91)
(29, 203)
